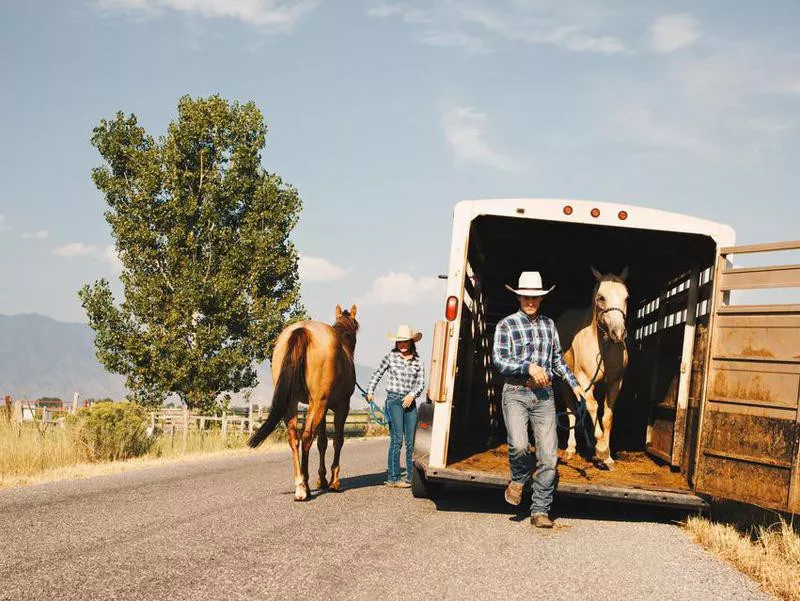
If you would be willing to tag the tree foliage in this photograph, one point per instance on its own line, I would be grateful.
(202, 230)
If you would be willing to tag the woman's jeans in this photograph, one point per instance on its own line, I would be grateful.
(523, 406)
(402, 422)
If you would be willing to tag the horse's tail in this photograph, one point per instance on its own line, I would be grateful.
(291, 386)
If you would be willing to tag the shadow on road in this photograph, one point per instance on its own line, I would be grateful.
(352, 483)
(490, 500)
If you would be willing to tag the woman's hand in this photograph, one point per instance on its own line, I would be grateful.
(370, 397)
(407, 400)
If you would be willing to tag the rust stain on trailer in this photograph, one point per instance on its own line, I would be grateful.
(754, 389)
(750, 351)
(755, 437)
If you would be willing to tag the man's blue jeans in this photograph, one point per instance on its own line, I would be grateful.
(402, 423)
(523, 406)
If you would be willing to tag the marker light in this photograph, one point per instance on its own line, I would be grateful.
(567, 210)
(595, 213)
(623, 215)
(451, 309)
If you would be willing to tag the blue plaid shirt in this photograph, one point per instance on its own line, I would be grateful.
(520, 341)
(405, 376)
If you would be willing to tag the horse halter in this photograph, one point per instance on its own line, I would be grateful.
(601, 312)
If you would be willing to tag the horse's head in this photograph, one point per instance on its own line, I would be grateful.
(611, 304)
(346, 326)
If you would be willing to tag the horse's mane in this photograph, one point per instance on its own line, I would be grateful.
(346, 327)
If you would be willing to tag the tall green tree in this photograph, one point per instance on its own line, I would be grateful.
(210, 276)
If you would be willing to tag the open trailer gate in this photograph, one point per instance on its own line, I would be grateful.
(750, 428)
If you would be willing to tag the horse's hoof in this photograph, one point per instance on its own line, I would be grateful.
(336, 486)
(609, 463)
(569, 454)
(322, 484)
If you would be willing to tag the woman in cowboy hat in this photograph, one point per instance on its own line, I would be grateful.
(406, 382)
(527, 352)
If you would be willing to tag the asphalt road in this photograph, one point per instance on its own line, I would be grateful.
(229, 529)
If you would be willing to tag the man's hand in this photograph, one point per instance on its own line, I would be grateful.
(407, 400)
(538, 375)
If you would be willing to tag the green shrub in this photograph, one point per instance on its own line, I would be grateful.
(111, 431)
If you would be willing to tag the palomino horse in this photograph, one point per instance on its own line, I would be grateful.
(313, 363)
(598, 356)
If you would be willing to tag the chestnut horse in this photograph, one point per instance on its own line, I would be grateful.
(598, 356)
(313, 363)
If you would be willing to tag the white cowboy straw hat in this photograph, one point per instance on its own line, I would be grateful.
(530, 284)
(405, 333)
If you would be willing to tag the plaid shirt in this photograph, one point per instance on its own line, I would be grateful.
(405, 376)
(520, 341)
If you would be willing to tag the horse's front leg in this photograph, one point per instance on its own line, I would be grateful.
(322, 447)
(604, 445)
(571, 405)
(339, 419)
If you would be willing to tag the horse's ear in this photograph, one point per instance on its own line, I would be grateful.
(353, 311)
(624, 275)
(338, 311)
(597, 275)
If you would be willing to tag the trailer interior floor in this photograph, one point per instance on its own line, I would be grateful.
(631, 470)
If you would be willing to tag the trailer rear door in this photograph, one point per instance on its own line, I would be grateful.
(750, 427)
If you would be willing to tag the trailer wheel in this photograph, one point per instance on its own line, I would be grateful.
(422, 488)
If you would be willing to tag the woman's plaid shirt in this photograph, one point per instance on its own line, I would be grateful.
(520, 341)
(405, 376)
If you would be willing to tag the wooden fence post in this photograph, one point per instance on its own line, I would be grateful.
(74, 407)
(250, 419)
(224, 426)
(7, 409)
(16, 413)
(185, 427)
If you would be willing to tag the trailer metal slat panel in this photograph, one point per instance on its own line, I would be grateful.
(750, 431)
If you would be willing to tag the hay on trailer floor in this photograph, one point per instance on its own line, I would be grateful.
(632, 470)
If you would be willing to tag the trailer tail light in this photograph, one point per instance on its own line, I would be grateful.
(595, 213)
(567, 210)
(623, 215)
(451, 309)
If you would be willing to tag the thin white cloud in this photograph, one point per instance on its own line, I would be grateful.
(109, 256)
(454, 39)
(383, 11)
(4, 223)
(476, 28)
(575, 39)
(669, 33)
(38, 235)
(402, 289)
(640, 126)
(316, 269)
(465, 133)
(75, 249)
(271, 14)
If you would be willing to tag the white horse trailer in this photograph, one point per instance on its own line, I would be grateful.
(709, 405)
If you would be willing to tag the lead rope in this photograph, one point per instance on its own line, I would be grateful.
(376, 413)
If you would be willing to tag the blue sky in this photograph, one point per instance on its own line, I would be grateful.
(384, 115)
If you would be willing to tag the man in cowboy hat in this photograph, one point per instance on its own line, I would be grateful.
(528, 352)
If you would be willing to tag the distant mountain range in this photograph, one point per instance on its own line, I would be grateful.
(42, 357)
